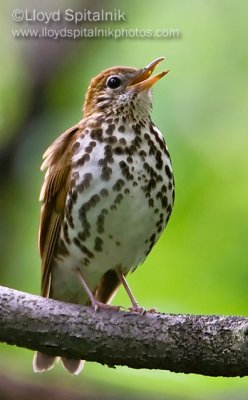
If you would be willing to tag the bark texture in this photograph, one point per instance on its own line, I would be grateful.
(208, 345)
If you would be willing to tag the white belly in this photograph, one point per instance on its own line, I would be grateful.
(113, 223)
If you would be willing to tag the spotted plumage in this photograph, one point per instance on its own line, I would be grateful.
(107, 195)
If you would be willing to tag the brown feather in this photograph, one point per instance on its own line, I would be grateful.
(98, 84)
(107, 287)
(57, 160)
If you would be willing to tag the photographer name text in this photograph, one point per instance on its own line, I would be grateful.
(68, 15)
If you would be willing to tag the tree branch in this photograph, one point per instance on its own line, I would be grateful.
(207, 345)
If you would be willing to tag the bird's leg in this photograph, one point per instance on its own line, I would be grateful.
(135, 307)
(86, 288)
(96, 304)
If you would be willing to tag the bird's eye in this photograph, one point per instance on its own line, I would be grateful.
(113, 82)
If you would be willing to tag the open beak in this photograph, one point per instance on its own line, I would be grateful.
(143, 80)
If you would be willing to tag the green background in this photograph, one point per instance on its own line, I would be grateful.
(199, 265)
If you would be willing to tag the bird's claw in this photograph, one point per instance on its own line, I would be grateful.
(137, 309)
(98, 305)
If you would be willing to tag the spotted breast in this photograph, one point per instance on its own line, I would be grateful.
(120, 199)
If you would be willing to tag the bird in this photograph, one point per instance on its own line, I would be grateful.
(107, 195)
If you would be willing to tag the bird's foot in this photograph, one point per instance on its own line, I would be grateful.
(137, 309)
(98, 305)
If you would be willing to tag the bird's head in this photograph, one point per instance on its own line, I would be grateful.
(122, 89)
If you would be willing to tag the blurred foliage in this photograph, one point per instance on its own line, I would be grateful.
(200, 264)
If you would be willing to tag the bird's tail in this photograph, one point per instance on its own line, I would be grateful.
(43, 362)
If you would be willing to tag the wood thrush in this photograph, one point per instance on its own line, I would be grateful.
(107, 195)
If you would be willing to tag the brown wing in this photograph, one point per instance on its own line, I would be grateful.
(57, 161)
